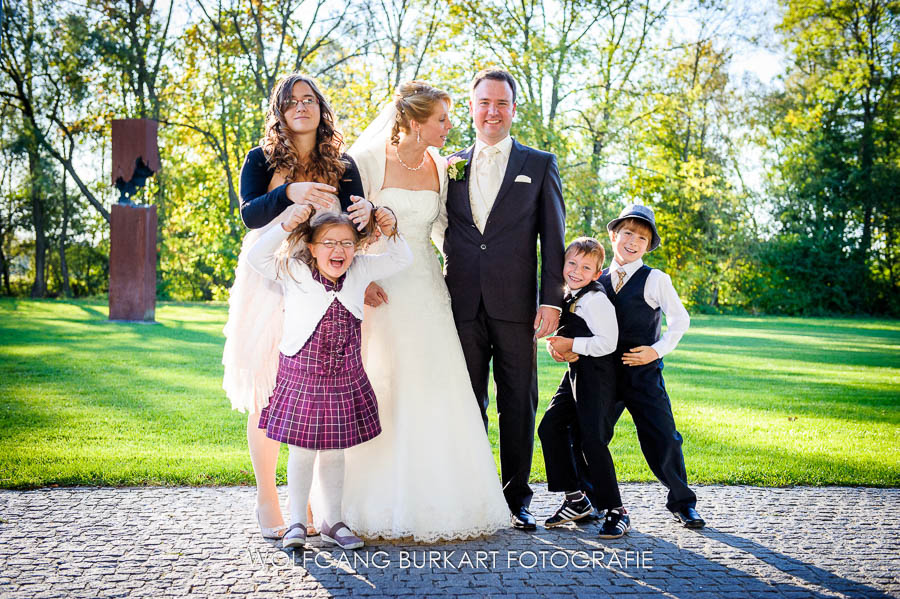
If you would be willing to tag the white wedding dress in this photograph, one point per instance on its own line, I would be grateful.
(430, 475)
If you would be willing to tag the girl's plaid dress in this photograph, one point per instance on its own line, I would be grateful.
(322, 397)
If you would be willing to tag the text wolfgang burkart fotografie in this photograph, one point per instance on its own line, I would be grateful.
(454, 559)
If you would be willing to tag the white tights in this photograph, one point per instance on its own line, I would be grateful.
(329, 465)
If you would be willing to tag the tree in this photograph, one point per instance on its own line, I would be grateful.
(684, 163)
(836, 183)
(133, 42)
(22, 62)
(47, 68)
(613, 110)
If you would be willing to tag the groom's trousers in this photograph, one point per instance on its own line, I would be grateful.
(513, 349)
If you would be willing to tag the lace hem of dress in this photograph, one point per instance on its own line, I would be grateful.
(431, 536)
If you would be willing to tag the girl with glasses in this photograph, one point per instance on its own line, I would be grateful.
(323, 402)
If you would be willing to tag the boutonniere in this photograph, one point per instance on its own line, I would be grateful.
(456, 168)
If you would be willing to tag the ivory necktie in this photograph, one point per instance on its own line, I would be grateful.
(621, 273)
(488, 179)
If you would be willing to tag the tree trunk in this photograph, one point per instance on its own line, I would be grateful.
(63, 238)
(39, 288)
(866, 189)
(4, 269)
(6, 230)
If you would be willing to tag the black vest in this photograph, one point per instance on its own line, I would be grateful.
(639, 324)
(588, 374)
(572, 325)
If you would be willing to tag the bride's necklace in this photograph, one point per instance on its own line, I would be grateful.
(406, 166)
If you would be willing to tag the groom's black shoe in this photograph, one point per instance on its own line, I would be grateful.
(689, 517)
(523, 519)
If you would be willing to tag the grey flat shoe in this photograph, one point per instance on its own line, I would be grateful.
(269, 532)
(295, 536)
(344, 541)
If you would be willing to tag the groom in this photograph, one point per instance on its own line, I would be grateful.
(505, 197)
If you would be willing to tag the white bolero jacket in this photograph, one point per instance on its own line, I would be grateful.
(306, 300)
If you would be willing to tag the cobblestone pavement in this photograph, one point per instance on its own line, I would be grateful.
(202, 542)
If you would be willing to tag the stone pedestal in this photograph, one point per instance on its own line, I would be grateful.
(132, 263)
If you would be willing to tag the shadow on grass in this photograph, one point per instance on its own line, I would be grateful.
(163, 382)
(849, 355)
(855, 326)
(787, 393)
(139, 371)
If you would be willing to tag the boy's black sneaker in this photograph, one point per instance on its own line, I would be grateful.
(594, 516)
(570, 511)
(615, 525)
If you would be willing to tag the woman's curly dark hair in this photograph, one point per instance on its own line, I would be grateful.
(324, 164)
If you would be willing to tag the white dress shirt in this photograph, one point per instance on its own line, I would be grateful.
(658, 293)
(486, 176)
(305, 299)
(600, 316)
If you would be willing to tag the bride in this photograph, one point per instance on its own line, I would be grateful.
(430, 475)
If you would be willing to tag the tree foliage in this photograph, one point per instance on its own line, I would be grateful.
(835, 184)
(636, 107)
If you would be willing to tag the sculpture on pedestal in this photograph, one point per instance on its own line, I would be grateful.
(132, 252)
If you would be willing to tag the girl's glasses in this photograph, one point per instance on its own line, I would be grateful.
(307, 103)
(331, 244)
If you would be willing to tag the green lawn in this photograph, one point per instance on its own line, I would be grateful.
(768, 401)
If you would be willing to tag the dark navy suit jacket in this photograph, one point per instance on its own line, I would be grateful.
(499, 267)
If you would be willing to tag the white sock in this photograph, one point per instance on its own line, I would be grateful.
(300, 466)
(330, 474)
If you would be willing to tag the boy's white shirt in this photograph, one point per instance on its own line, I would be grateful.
(306, 300)
(600, 316)
(658, 293)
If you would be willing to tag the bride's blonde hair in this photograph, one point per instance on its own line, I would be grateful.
(415, 100)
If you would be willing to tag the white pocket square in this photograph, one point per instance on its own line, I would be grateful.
(523, 179)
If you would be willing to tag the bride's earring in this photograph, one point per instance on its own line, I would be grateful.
(418, 137)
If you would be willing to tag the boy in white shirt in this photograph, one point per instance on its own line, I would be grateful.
(583, 404)
(641, 295)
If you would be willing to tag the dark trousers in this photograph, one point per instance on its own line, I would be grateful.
(513, 349)
(575, 433)
(642, 392)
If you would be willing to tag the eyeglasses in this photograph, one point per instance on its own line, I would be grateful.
(307, 103)
(331, 244)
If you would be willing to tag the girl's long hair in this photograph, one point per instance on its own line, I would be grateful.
(324, 163)
(297, 244)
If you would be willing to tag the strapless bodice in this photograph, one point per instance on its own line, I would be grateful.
(415, 211)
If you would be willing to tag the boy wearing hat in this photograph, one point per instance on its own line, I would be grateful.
(640, 296)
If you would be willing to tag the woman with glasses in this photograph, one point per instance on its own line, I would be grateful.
(298, 162)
